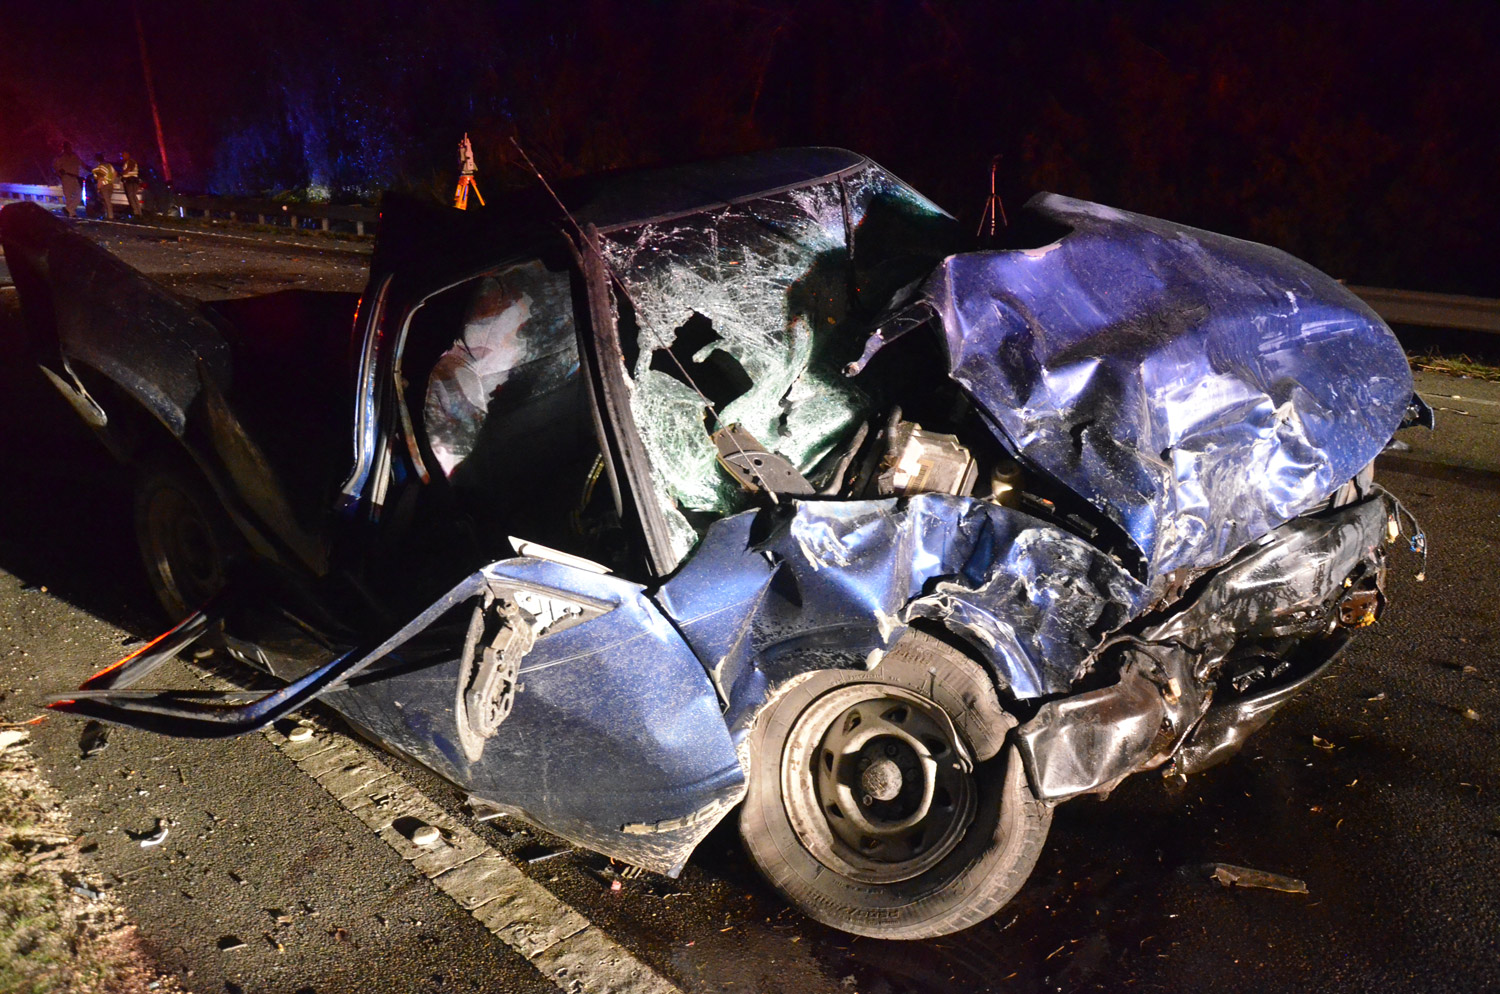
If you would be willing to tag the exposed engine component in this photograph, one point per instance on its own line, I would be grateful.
(918, 461)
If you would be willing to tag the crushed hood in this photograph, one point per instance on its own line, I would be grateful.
(1198, 389)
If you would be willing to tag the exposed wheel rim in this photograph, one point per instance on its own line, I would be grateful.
(874, 784)
(183, 549)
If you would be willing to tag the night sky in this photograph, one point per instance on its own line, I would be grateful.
(1365, 139)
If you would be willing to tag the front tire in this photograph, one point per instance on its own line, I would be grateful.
(887, 803)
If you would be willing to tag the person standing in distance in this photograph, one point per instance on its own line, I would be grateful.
(104, 185)
(130, 177)
(69, 169)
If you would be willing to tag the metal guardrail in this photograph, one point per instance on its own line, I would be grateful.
(1414, 307)
(1432, 310)
(325, 217)
(28, 191)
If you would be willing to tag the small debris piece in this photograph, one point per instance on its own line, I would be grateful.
(229, 942)
(85, 891)
(540, 853)
(300, 734)
(13, 736)
(1323, 743)
(1378, 697)
(1229, 875)
(94, 739)
(156, 838)
(426, 835)
(1471, 714)
(615, 885)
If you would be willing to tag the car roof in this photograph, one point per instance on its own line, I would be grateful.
(427, 243)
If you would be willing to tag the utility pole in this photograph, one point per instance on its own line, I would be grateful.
(161, 145)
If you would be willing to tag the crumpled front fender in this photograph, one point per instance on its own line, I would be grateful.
(809, 585)
(1197, 389)
(1164, 699)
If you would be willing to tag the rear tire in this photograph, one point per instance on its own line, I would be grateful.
(186, 540)
(859, 810)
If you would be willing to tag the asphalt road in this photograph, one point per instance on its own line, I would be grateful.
(1379, 787)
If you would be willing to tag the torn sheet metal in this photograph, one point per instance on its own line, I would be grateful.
(110, 318)
(502, 631)
(1197, 389)
(611, 733)
(179, 362)
(1227, 725)
(1288, 585)
(820, 584)
(1229, 875)
(745, 315)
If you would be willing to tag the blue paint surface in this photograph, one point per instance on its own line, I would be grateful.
(1198, 389)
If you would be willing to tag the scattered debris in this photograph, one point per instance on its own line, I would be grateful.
(481, 810)
(229, 942)
(1229, 875)
(59, 930)
(1378, 697)
(94, 739)
(1470, 713)
(1323, 743)
(616, 885)
(540, 853)
(155, 837)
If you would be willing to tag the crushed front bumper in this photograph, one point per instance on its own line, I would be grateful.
(1305, 585)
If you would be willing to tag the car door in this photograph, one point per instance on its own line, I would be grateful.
(554, 691)
(543, 685)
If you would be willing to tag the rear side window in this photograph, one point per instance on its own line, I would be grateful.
(515, 356)
(505, 411)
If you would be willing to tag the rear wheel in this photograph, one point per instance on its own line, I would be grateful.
(186, 540)
(887, 803)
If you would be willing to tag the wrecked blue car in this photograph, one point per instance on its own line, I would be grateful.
(752, 484)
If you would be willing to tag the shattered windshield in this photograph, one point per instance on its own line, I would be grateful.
(747, 314)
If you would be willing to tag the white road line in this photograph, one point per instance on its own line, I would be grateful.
(553, 936)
